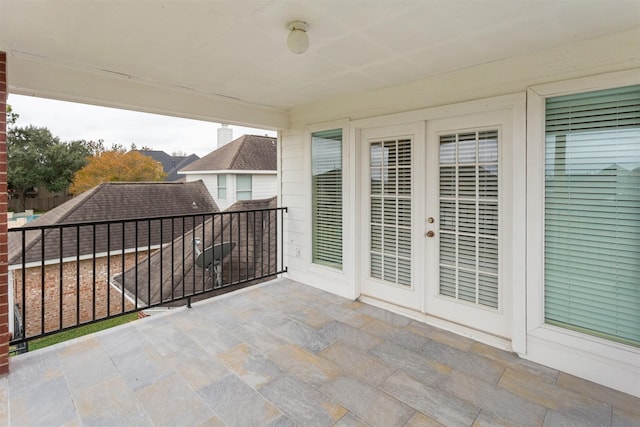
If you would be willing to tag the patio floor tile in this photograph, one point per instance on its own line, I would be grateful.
(350, 420)
(439, 405)
(197, 367)
(86, 365)
(584, 409)
(497, 401)
(171, 401)
(304, 365)
(237, 404)
(356, 338)
(625, 419)
(48, 411)
(253, 367)
(421, 420)
(283, 354)
(368, 403)
(596, 391)
(302, 402)
(108, 403)
(359, 364)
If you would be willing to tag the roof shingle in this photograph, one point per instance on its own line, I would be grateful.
(170, 164)
(254, 255)
(109, 202)
(249, 152)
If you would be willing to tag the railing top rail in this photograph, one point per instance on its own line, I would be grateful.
(146, 218)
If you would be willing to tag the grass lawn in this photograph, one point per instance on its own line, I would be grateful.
(80, 331)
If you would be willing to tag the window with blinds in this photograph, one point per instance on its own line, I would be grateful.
(326, 165)
(468, 230)
(390, 207)
(243, 187)
(222, 187)
(592, 213)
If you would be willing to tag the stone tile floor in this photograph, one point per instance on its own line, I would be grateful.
(285, 354)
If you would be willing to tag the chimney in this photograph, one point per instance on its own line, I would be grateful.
(225, 135)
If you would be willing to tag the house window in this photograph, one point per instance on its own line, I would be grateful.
(326, 165)
(243, 187)
(592, 213)
(222, 187)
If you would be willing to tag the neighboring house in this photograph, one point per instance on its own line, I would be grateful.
(170, 164)
(243, 169)
(254, 255)
(460, 135)
(104, 250)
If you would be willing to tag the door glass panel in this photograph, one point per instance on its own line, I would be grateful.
(468, 226)
(390, 205)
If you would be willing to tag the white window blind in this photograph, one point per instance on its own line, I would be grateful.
(222, 187)
(592, 213)
(468, 226)
(326, 159)
(243, 187)
(390, 207)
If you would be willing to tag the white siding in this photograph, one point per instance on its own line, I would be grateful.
(435, 98)
(210, 181)
(263, 186)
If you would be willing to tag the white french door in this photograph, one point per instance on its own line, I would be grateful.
(463, 213)
(388, 223)
(431, 219)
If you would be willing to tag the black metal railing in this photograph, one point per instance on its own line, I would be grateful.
(70, 275)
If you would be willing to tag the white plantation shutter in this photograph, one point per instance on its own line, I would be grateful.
(326, 159)
(390, 207)
(592, 213)
(469, 217)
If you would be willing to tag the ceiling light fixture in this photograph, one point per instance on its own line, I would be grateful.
(298, 40)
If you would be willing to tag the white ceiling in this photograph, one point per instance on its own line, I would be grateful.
(237, 48)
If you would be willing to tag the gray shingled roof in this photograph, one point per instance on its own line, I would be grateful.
(254, 255)
(170, 164)
(249, 152)
(108, 202)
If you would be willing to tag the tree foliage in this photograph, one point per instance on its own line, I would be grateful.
(37, 158)
(116, 166)
(11, 116)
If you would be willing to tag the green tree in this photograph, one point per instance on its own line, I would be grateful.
(11, 116)
(37, 158)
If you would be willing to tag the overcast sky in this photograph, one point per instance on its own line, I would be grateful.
(70, 121)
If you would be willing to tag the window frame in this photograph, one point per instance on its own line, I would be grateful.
(537, 328)
(322, 263)
(250, 190)
(222, 187)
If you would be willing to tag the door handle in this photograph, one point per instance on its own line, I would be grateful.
(429, 233)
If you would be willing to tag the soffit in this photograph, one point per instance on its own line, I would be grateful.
(236, 50)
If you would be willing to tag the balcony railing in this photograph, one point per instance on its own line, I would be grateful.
(65, 276)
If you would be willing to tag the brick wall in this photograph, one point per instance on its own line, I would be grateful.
(91, 300)
(4, 286)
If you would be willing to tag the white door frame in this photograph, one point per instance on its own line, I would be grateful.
(514, 193)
